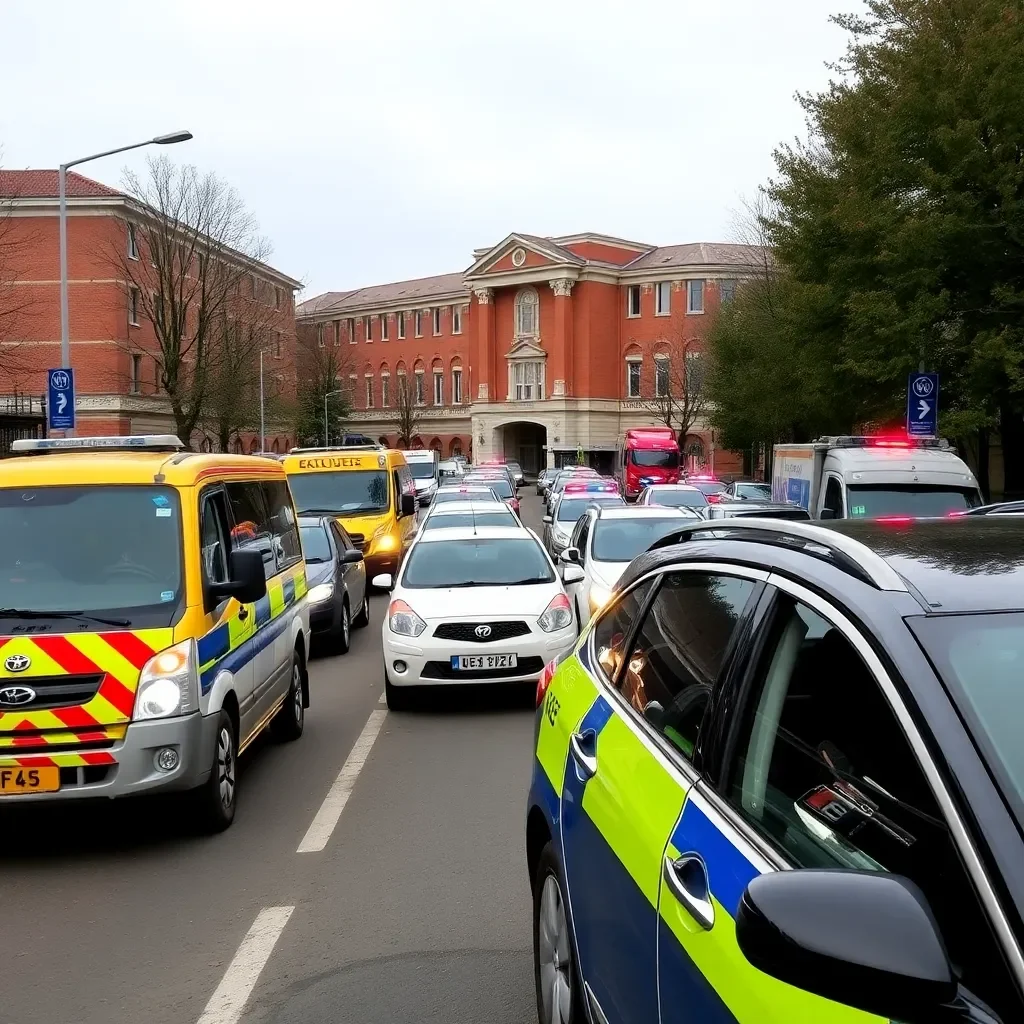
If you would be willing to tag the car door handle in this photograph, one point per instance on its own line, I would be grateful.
(687, 879)
(586, 763)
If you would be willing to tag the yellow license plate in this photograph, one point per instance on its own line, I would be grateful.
(29, 780)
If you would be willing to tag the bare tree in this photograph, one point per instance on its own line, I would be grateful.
(191, 259)
(17, 302)
(407, 412)
(323, 368)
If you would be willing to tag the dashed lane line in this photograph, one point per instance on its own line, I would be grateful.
(319, 832)
(228, 1001)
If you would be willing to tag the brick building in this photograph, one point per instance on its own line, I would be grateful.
(542, 347)
(113, 344)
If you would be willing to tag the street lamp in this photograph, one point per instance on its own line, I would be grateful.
(327, 436)
(62, 180)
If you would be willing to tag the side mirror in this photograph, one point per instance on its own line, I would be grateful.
(828, 513)
(352, 556)
(383, 581)
(248, 579)
(408, 506)
(572, 574)
(570, 555)
(548, 520)
(861, 938)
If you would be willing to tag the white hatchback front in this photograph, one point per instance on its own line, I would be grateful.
(474, 606)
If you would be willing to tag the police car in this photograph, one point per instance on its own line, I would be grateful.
(780, 779)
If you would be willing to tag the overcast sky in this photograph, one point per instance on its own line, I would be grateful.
(386, 139)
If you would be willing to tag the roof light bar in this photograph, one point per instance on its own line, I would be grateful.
(141, 442)
(883, 441)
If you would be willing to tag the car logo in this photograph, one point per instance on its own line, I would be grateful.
(12, 696)
(17, 663)
(483, 631)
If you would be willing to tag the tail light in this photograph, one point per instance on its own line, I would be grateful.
(544, 681)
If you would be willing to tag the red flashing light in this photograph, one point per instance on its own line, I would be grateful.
(895, 519)
(880, 442)
(955, 515)
(703, 476)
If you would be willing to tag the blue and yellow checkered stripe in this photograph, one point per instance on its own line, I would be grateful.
(230, 645)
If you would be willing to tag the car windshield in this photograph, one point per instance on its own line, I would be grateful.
(709, 486)
(678, 498)
(347, 492)
(422, 470)
(981, 660)
(652, 459)
(505, 518)
(92, 549)
(315, 546)
(878, 502)
(759, 492)
(570, 509)
(501, 487)
(467, 495)
(621, 540)
(487, 562)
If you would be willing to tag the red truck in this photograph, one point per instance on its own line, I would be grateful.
(644, 456)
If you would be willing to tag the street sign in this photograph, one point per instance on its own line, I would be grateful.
(60, 402)
(923, 405)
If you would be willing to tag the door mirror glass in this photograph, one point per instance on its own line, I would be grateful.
(383, 581)
(247, 581)
(864, 939)
(572, 574)
(351, 556)
(570, 555)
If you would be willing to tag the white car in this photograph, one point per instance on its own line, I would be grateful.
(675, 496)
(472, 606)
(469, 513)
(604, 541)
(463, 492)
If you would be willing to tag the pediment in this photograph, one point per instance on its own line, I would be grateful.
(522, 252)
(526, 350)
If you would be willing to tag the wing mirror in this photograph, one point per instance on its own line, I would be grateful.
(408, 506)
(248, 579)
(572, 574)
(570, 555)
(548, 520)
(828, 513)
(383, 581)
(351, 556)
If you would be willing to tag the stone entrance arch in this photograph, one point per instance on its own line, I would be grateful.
(522, 440)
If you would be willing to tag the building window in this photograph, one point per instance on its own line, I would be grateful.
(133, 242)
(694, 296)
(633, 368)
(528, 380)
(385, 390)
(661, 376)
(526, 313)
(319, 335)
(368, 328)
(201, 261)
(418, 323)
(277, 294)
(254, 287)
(383, 327)
(351, 331)
(438, 388)
(369, 391)
(135, 381)
(456, 319)
(400, 317)
(277, 344)
(419, 387)
(727, 290)
(456, 387)
(337, 333)
(663, 298)
(133, 306)
(437, 320)
(633, 300)
(403, 388)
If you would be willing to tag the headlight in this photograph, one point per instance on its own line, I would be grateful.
(168, 684)
(383, 540)
(403, 620)
(557, 615)
(599, 597)
(321, 592)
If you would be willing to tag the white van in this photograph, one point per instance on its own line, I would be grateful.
(423, 466)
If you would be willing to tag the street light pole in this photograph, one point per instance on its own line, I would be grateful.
(327, 436)
(263, 421)
(62, 191)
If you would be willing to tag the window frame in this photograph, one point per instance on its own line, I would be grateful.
(133, 306)
(435, 315)
(662, 364)
(135, 373)
(132, 240)
(691, 310)
(632, 361)
(438, 376)
(631, 290)
(456, 319)
(456, 385)
(659, 308)
(352, 330)
(417, 323)
(400, 324)
(420, 392)
(368, 329)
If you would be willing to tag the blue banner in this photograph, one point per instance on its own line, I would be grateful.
(923, 405)
(60, 401)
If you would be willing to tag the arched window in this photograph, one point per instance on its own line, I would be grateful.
(276, 447)
(254, 446)
(527, 313)
(435, 443)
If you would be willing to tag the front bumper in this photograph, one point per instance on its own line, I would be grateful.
(133, 769)
(428, 660)
(323, 617)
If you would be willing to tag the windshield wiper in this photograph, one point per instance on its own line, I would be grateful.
(523, 583)
(35, 613)
(318, 512)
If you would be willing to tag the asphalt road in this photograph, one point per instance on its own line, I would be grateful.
(416, 908)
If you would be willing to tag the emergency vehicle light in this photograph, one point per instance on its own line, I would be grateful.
(371, 447)
(881, 441)
(141, 442)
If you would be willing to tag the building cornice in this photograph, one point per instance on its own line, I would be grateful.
(424, 303)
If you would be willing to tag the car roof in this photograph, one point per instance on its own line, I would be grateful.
(640, 512)
(478, 533)
(462, 508)
(472, 485)
(672, 487)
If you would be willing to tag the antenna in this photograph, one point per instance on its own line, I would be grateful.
(472, 513)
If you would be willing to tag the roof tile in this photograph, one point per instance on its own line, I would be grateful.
(43, 184)
(695, 254)
(384, 294)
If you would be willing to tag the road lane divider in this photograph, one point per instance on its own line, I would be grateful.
(319, 832)
(228, 1001)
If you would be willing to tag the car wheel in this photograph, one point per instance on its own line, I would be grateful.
(343, 638)
(363, 618)
(213, 803)
(398, 698)
(554, 963)
(289, 722)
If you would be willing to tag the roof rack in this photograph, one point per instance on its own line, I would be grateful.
(371, 447)
(138, 443)
(845, 552)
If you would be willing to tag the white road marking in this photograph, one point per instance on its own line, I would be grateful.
(228, 1001)
(382, 699)
(326, 819)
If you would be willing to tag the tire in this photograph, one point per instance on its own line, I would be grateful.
(213, 803)
(399, 698)
(363, 618)
(343, 637)
(288, 723)
(554, 960)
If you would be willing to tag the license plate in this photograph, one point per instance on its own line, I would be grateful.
(29, 780)
(478, 662)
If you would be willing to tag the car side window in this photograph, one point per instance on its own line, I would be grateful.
(579, 535)
(611, 631)
(825, 773)
(679, 651)
(213, 539)
(341, 538)
(284, 528)
(834, 497)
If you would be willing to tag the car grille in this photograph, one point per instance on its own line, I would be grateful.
(444, 670)
(53, 691)
(465, 632)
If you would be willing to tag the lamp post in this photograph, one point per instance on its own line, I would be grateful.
(327, 436)
(263, 420)
(62, 183)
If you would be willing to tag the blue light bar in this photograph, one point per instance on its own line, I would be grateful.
(140, 442)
